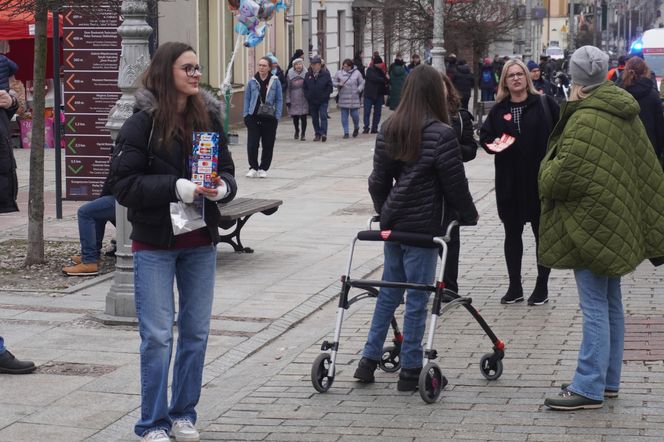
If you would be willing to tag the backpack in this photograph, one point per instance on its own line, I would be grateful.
(487, 79)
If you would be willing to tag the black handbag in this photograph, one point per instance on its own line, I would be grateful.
(267, 110)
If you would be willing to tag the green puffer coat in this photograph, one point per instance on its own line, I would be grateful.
(601, 188)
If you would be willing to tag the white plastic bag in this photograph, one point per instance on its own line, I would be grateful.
(186, 217)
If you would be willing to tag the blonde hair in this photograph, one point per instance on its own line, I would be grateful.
(503, 91)
(576, 92)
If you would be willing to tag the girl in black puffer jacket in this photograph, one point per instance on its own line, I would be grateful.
(150, 170)
(418, 183)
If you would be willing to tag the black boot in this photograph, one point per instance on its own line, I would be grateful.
(540, 295)
(514, 294)
(10, 365)
(408, 379)
(365, 370)
(297, 134)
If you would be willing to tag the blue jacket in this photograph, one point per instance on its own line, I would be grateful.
(317, 88)
(7, 69)
(274, 96)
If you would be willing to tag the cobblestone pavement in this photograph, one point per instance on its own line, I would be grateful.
(273, 309)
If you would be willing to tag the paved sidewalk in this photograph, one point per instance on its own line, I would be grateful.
(272, 310)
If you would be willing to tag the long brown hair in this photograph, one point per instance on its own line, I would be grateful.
(453, 97)
(635, 68)
(158, 79)
(422, 98)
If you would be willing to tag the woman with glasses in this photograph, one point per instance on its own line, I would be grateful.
(263, 101)
(524, 118)
(150, 172)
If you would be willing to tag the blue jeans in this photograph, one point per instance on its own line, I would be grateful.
(403, 264)
(355, 115)
(2, 345)
(487, 95)
(154, 271)
(377, 104)
(319, 117)
(600, 356)
(92, 219)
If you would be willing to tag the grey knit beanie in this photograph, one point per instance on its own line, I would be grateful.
(589, 66)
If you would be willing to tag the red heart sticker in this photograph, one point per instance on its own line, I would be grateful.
(507, 117)
(385, 234)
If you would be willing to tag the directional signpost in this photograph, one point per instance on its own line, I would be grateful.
(92, 50)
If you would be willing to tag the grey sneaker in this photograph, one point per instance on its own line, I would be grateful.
(183, 430)
(608, 394)
(156, 436)
(569, 401)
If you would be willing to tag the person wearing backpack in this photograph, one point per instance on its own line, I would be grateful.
(487, 80)
(522, 113)
(615, 74)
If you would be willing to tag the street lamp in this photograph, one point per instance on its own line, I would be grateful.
(438, 51)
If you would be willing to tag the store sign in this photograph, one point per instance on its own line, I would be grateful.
(91, 62)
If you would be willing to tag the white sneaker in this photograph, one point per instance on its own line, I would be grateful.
(156, 436)
(262, 173)
(251, 174)
(184, 431)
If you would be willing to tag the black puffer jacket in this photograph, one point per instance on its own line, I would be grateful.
(8, 177)
(462, 122)
(645, 92)
(144, 181)
(426, 193)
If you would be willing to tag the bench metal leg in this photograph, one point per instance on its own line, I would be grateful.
(237, 243)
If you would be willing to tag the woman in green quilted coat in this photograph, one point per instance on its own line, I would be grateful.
(602, 198)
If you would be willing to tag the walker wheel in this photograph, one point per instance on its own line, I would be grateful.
(491, 370)
(431, 382)
(389, 361)
(319, 373)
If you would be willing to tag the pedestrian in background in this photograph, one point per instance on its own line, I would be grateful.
(150, 171)
(262, 110)
(464, 82)
(414, 62)
(317, 89)
(296, 102)
(7, 66)
(276, 70)
(528, 117)
(417, 178)
(358, 62)
(602, 215)
(636, 79)
(299, 53)
(375, 88)
(462, 122)
(487, 80)
(541, 85)
(397, 75)
(8, 176)
(350, 85)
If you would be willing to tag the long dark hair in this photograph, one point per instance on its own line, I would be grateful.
(158, 79)
(422, 98)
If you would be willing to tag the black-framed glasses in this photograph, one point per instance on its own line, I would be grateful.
(191, 69)
(516, 76)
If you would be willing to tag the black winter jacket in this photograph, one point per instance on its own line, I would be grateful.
(7, 69)
(8, 177)
(143, 179)
(645, 92)
(375, 84)
(424, 195)
(317, 88)
(464, 80)
(517, 166)
(462, 123)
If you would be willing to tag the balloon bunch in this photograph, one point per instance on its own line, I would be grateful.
(252, 15)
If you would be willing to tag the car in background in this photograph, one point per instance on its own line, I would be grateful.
(554, 53)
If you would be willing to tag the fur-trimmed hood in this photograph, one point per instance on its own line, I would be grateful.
(146, 101)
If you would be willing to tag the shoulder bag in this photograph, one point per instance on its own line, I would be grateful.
(266, 110)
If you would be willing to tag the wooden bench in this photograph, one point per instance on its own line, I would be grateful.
(235, 214)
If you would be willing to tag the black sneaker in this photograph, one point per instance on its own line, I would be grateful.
(346, 136)
(355, 132)
(302, 138)
(365, 370)
(323, 138)
(297, 135)
(569, 401)
(375, 131)
(365, 130)
(10, 365)
(317, 137)
(540, 295)
(608, 394)
(512, 296)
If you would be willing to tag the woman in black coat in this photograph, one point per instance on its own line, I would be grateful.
(8, 177)
(520, 112)
(637, 81)
(151, 175)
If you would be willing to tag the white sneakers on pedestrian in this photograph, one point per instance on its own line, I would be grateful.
(252, 173)
(262, 173)
(156, 436)
(184, 431)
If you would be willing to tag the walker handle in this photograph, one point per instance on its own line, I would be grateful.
(407, 238)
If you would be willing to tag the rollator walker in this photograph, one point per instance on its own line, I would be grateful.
(431, 381)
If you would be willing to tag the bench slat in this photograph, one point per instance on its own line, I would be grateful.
(240, 207)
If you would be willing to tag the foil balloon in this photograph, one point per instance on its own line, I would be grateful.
(252, 15)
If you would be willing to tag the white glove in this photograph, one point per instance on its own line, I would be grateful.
(222, 191)
(185, 190)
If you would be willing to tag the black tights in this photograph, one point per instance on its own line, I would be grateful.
(514, 252)
(296, 123)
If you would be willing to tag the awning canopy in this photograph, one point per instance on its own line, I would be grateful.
(21, 26)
